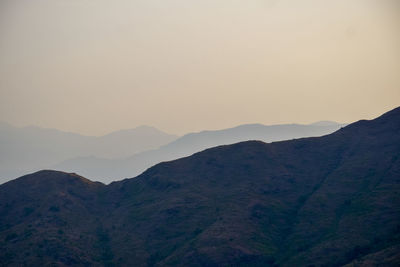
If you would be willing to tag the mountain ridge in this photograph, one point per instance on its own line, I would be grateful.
(329, 200)
(102, 169)
(28, 149)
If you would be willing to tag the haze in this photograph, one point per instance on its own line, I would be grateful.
(94, 66)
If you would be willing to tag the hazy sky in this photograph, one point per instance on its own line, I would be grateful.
(94, 66)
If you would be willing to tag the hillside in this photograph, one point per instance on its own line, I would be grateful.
(324, 201)
(108, 170)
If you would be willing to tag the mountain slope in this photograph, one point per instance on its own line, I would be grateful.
(290, 202)
(326, 201)
(108, 170)
(31, 148)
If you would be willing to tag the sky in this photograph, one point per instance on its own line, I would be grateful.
(95, 66)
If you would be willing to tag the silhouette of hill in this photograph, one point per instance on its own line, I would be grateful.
(322, 201)
(29, 149)
(108, 170)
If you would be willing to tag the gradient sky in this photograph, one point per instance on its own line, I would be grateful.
(94, 66)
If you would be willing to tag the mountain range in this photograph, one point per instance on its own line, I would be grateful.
(124, 153)
(31, 148)
(107, 170)
(320, 201)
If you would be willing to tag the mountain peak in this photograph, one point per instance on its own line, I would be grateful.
(325, 123)
(47, 177)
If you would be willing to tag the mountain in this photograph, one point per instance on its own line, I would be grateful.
(32, 148)
(322, 201)
(324, 123)
(107, 170)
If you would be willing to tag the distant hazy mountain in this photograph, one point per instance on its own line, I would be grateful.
(28, 149)
(324, 201)
(325, 123)
(100, 169)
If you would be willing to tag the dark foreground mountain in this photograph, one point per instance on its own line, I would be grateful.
(326, 201)
(108, 170)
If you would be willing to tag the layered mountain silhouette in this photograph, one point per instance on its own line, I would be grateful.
(324, 201)
(107, 170)
(29, 149)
